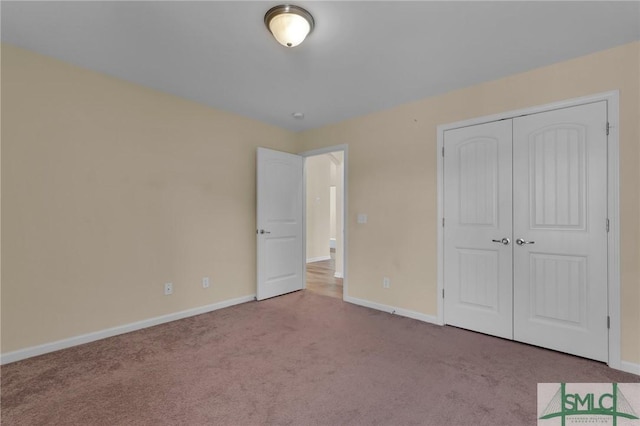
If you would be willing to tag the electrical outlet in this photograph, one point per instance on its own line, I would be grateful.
(205, 282)
(386, 283)
(168, 289)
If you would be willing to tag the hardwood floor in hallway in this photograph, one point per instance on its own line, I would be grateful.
(321, 279)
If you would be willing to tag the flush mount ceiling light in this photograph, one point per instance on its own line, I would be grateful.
(289, 24)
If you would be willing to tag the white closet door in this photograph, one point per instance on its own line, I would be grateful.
(477, 209)
(559, 211)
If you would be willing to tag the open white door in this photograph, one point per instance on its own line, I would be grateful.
(279, 223)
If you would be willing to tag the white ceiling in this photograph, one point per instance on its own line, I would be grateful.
(361, 57)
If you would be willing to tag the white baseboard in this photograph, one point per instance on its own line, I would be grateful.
(21, 354)
(114, 331)
(318, 259)
(393, 310)
(626, 366)
(630, 367)
(338, 275)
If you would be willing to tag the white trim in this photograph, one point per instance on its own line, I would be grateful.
(606, 96)
(612, 99)
(345, 222)
(318, 259)
(613, 243)
(345, 198)
(338, 275)
(630, 367)
(332, 243)
(114, 331)
(440, 225)
(326, 150)
(304, 221)
(392, 310)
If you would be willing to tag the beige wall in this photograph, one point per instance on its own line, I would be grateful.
(332, 208)
(318, 176)
(333, 181)
(110, 190)
(339, 184)
(392, 178)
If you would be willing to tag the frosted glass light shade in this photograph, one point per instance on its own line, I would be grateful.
(290, 30)
(289, 24)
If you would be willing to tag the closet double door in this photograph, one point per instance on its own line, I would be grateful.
(525, 235)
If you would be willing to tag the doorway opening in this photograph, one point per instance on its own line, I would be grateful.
(324, 218)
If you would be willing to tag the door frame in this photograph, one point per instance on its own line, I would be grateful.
(344, 148)
(613, 209)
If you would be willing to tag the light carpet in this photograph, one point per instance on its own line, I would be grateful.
(298, 359)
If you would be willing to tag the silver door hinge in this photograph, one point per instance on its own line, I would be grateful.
(443, 293)
(443, 222)
(608, 126)
(608, 322)
(607, 225)
(443, 149)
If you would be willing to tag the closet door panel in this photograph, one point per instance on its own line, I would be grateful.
(560, 203)
(478, 265)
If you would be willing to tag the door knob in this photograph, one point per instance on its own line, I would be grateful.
(522, 242)
(504, 241)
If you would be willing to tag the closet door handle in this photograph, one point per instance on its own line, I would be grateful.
(522, 242)
(504, 241)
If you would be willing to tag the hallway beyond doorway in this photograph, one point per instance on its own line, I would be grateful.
(321, 279)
